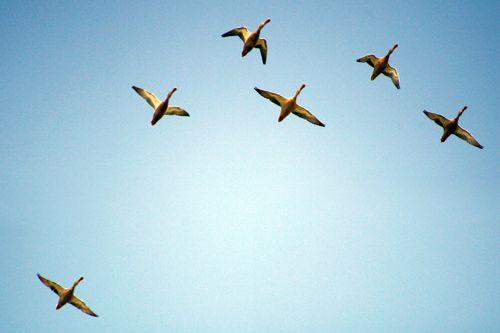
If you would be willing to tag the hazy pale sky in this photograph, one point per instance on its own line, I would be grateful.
(229, 221)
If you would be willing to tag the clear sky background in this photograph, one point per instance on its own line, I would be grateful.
(229, 221)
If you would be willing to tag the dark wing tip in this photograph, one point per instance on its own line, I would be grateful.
(135, 88)
(262, 93)
(319, 123)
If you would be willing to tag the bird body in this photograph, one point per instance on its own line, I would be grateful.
(66, 295)
(381, 66)
(289, 104)
(449, 129)
(251, 40)
(287, 108)
(160, 111)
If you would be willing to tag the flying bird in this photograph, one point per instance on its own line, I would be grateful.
(450, 126)
(381, 65)
(289, 105)
(160, 108)
(66, 295)
(251, 39)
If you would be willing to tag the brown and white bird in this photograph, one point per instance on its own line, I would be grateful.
(289, 105)
(251, 39)
(450, 126)
(381, 65)
(66, 295)
(160, 108)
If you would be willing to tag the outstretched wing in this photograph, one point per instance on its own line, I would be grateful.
(273, 97)
(464, 135)
(241, 32)
(303, 113)
(78, 303)
(262, 46)
(52, 285)
(148, 96)
(370, 59)
(437, 118)
(176, 111)
(393, 74)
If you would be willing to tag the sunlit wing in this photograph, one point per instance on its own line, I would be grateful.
(273, 97)
(52, 285)
(78, 303)
(241, 32)
(393, 74)
(464, 135)
(369, 59)
(303, 113)
(262, 46)
(148, 96)
(437, 118)
(176, 111)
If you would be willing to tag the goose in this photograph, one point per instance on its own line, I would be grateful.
(450, 126)
(66, 295)
(289, 105)
(251, 39)
(381, 65)
(160, 108)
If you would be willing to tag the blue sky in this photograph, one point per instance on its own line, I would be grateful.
(228, 221)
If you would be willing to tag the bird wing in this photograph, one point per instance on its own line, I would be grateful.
(262, 46)
(148, 96)
(465, 135)
(273, 97)
(370, 59)
(393, 74)
(241, 32)
(78, 303)
(52, 285)
(176, 111)
(304, 113)
(437, 118)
